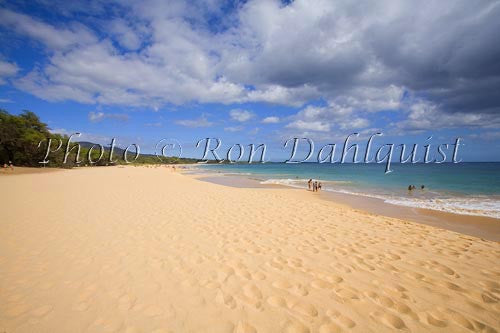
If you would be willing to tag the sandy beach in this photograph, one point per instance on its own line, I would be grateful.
(140, 249)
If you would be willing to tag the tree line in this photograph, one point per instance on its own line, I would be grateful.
(24, 139)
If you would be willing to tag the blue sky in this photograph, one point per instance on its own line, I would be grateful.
(256, 71)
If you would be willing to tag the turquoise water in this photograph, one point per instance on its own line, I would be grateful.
(465, 188)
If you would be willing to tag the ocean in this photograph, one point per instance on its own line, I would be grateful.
(462, 188)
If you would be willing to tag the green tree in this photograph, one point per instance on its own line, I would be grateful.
(19, 138)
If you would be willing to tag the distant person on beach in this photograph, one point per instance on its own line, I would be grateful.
(422, 187)
(309, 183)
(410, 187)
(315, 186)
(11, 166)
(319, 186)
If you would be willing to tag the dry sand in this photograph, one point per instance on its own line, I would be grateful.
(135, 249)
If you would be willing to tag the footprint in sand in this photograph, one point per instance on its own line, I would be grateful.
(243, 327)
(304, 309)
(251, 295)
(17, 309)
(488, 297)
(388, 319)
(241, 272)
(434, 318)
(225, 299)
(460, 319)
(295, 327)
(42, 311)
(126, 302)
(276, 301)
(251, 291)
(106, 325)
(275, 265)
(282, 284)
(153, 311)
(82, 306)
(161, 330)
(321, 284)
(212, 285)
(258, 276)
(405, 310)
(330, 328)
(346, 294)
(224, 273)
(299, 290)
(295, 263)
(334, 279)
(392, 256)
(380, 299)
(490, 285)
(337, 317)
(452, 286)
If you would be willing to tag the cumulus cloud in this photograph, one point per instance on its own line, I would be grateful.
(202, 121)
(55, 38)
(90, 137)
(100, 116)
(233, 128)
(326, 118)
(125, 34)
(312, 125)
(7, 70)
(423, 116)
(271, 120)
(360, 56)
(241, 115)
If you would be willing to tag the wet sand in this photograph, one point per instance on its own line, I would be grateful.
(477, 226)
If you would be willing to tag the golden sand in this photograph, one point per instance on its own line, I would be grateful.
(136, 249)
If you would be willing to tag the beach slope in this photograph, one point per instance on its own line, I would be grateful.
(137, 249)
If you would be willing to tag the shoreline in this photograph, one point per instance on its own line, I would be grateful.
(477, 226)
(145, 249)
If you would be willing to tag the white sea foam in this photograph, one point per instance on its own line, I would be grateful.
(465, 205)
(298, 182)
(480, 206)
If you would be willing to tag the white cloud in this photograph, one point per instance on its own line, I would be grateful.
(362, 57)
(7, 70)
(487, 136)
(126, 36)
(254, 131)
(423, 116)
(233, 128)
(309, 125)
(55, 38)
(241, 115)
(96, 116)
(202, 121)
(90, 137)
(326, 118)
(271, 120)
(100, 116)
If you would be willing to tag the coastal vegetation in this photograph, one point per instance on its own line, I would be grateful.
(24, 141)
